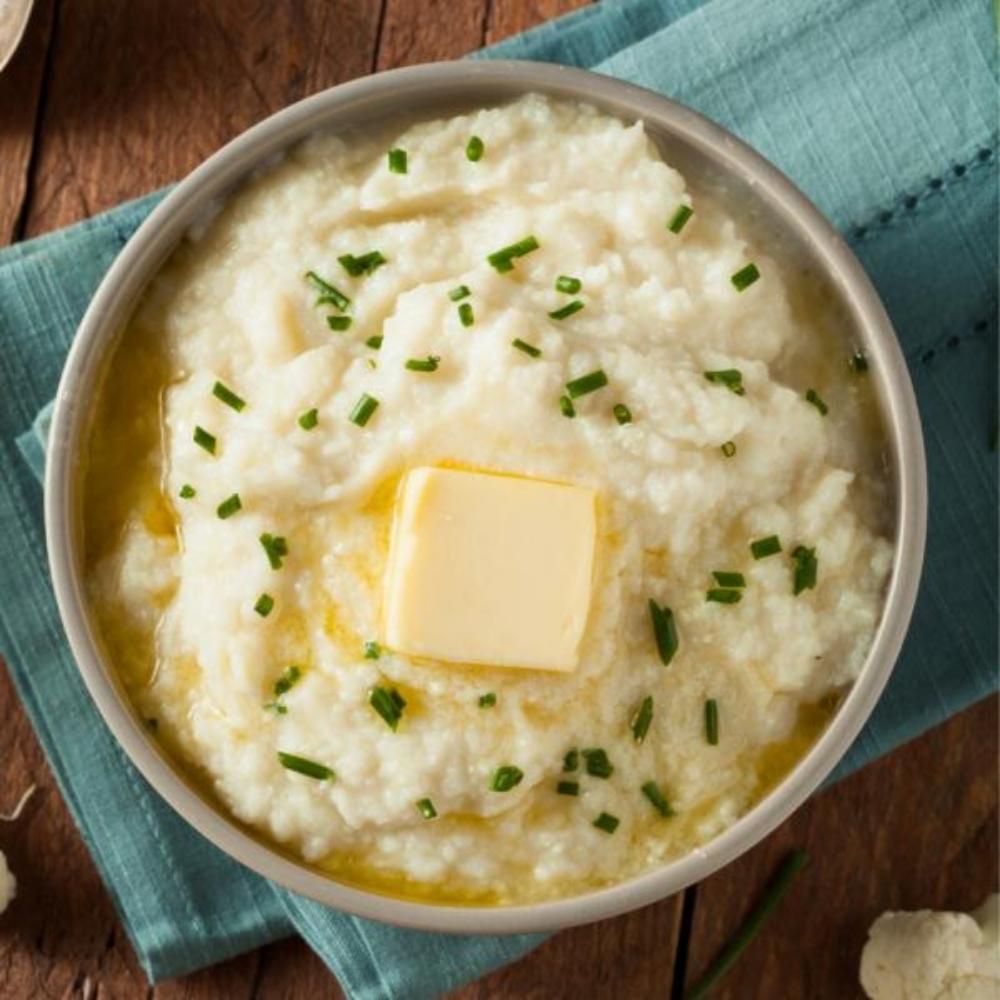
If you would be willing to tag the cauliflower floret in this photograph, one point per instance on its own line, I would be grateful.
(8, 884)
(929, 955)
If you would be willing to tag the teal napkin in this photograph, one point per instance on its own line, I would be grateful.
(885, 113)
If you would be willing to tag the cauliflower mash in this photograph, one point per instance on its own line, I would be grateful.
(531, 291)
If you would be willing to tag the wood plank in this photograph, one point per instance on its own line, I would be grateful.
(421, 31)
(20, 97)
(508, 17)
(917, 829)
(141, 91)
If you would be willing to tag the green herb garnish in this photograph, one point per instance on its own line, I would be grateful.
(465, 314)
(388, 703)
(229, 506)
(505, 778)
(812, 396)
(428, 364)
(607, 822)
(571, 761)
(374, 342)
(290, 676)
(204, 440)
(365, 264)
(790, 867)
(763, 547)
(745, 277)
(503, 259)
(227, 396)
(641, 719)
(731, 378)
(339, 323)
(568, 788)
(805, 569)
(567, 310)
(187, 492)
(264, 605)
(680, 218)
(564, 283)
(276, 549)
(712, 722)
(728, 449)
(725, 578)
(397, 161)
(487, 700)
(372, 650)
(858, 363)
(597, 763)
(566, 407)
(363, 410)
(426, 808)
(655, 795)
(664, 631)
(459, 292)
(328, 294)
(529, 349)
(720, 595)
(622, 413)
(474, 149)
(309, 419)
(309, 768)
(590, 382)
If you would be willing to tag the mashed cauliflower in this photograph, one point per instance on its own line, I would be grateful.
(178, 588)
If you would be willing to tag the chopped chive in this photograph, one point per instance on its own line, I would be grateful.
(731, 378)
(712, 722)
(790, 867)
(503, 259)
(567, 310)
(590, 382)
(309, 419)
(564, 283)
(328, 294)
(290, 676)
(680, 218)
(858, 363)
(309, 768)
(474, 149)
(339, 323)
(745, 277)
(812, 396)
(459, 292)
(374, 342)
(397, 161)
(388, 703)
(426, 808)
(363, 410)
(521, 345)
(187, 492)
(264, 605)
(664, 631)
(227, 396)
(597, 763)
(805, 569)
(204, 440)
(566, 407)
(655, 795)
(505, 778)
(606, 822)
(275, 547)
(428, 364)
(229, 506)
(641, 719)
(728, 448)
(622, 413)
(568, 788)
(372, 650)
(365, 264)
(721, 595)
(487, 700)
(276, 706)
(465, 314)
(726, 578)
(572, 760)
(764, 547)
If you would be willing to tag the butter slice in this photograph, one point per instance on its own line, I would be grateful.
(489, 569)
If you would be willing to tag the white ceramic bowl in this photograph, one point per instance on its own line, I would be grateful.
(712, 159)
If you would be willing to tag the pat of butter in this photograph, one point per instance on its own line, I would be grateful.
(489, 569)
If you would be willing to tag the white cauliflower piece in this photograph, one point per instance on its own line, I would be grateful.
(8, 884)
(929, 955)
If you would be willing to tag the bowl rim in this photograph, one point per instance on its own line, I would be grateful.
(211, 181)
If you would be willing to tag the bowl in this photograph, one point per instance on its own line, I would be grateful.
(705, 153)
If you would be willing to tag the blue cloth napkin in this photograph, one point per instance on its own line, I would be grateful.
(885, 113)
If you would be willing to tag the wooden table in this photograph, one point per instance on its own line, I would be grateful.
(109, 99)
